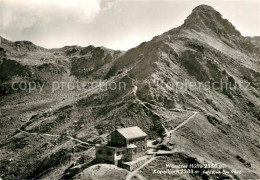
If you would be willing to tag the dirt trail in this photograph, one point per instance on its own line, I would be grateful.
(110, 104)
(56, 135)
(168, 133)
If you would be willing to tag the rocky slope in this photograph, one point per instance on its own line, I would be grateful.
(57, 130)
(255, 40)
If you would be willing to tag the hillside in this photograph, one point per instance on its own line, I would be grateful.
(56, 130)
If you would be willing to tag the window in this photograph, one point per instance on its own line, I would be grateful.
(99, 151)
(134, 151)
(118, 153)
(143, 148)
(109, 153)
(109, 139)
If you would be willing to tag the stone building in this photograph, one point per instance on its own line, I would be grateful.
(124, 145)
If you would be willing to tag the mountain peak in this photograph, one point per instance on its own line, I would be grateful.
(206, 18)
(204, 7)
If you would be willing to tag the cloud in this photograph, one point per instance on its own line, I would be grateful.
(22, 15)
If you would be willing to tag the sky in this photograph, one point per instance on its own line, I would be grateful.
(115, 24)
